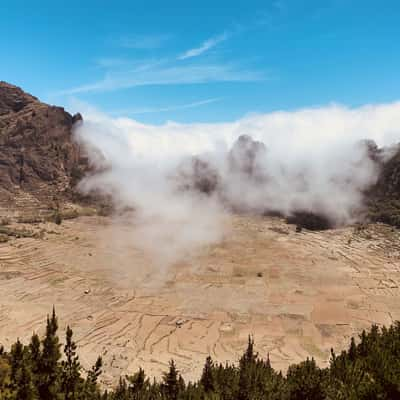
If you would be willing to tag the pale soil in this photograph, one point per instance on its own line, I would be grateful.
(299, 294)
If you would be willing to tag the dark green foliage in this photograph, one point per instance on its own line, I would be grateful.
(25, 389)
(172, 382)
(306, 381)
(49, 360)
(70, 376)
(138, 383)
(257, 379)
(386, 211)
(90, 388)
(383, 198)
(309, 220)
(57, 217)
(16, 359)
(207, 379)
(368, 370)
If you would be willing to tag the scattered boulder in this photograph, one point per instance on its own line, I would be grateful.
(179, 323)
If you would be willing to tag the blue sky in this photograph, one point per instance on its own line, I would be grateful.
(202, 61)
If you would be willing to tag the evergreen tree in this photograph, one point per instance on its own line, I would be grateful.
(305, 381)
(91, 388)
(35, 352)
(120, 392)
(5, 370)
(366, 371)
(247, 371)
(249, 356)
(138, 383)
(70, 376)
(181, 384)
(170, 379)
(207, 377)
(25, 389)
(227, 380)
(352, 350)
(48, 363)
(16, 360)
(35, 357)
(95, 371)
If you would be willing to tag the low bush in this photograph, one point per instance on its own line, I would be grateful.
(310, 221)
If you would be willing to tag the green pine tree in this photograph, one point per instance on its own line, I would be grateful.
(90, 387)
(16, 360)
(35, 357)
(25, 389)
(70, 375)
(305, 381)
(47, 382)
(207, 377)
(247, 365)
(170, 382)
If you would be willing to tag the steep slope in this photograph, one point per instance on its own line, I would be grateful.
(39, 162)
(384, 198)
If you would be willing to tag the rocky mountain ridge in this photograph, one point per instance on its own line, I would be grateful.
(39, 161)
(40, 164)
(384, 197)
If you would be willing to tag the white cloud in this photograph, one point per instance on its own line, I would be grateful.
(204, 47)
(161, 73)
(165, 109)
(314, 161)
(122, 73)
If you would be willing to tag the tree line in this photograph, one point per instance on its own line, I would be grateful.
(45, 370)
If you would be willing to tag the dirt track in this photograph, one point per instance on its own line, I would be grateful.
(299, 294)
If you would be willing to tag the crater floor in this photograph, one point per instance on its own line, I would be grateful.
(298, 294)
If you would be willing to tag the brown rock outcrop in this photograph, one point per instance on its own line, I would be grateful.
(38, 157)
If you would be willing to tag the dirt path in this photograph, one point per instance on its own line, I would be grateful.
(299, 294)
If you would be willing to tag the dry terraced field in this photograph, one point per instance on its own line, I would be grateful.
(299, 294)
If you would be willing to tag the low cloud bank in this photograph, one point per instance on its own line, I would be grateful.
(182, 178)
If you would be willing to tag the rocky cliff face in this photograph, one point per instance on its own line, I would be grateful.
(384, 197)
(38, 157)
(388, 184)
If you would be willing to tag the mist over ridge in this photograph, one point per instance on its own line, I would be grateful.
(314, 160)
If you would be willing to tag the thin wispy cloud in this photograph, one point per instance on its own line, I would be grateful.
(204, 47)
(111, 62)
(166, 109)
(142, 42)
(162, 74)
(115, 65)
(125, 73)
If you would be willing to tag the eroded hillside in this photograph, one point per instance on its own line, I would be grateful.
(39, 161)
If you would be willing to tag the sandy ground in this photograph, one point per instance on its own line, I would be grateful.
(299, 294)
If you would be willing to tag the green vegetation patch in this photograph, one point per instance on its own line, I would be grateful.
(369, 369)
(386, 211)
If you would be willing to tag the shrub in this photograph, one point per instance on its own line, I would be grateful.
(57, 217)
(310, 221)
